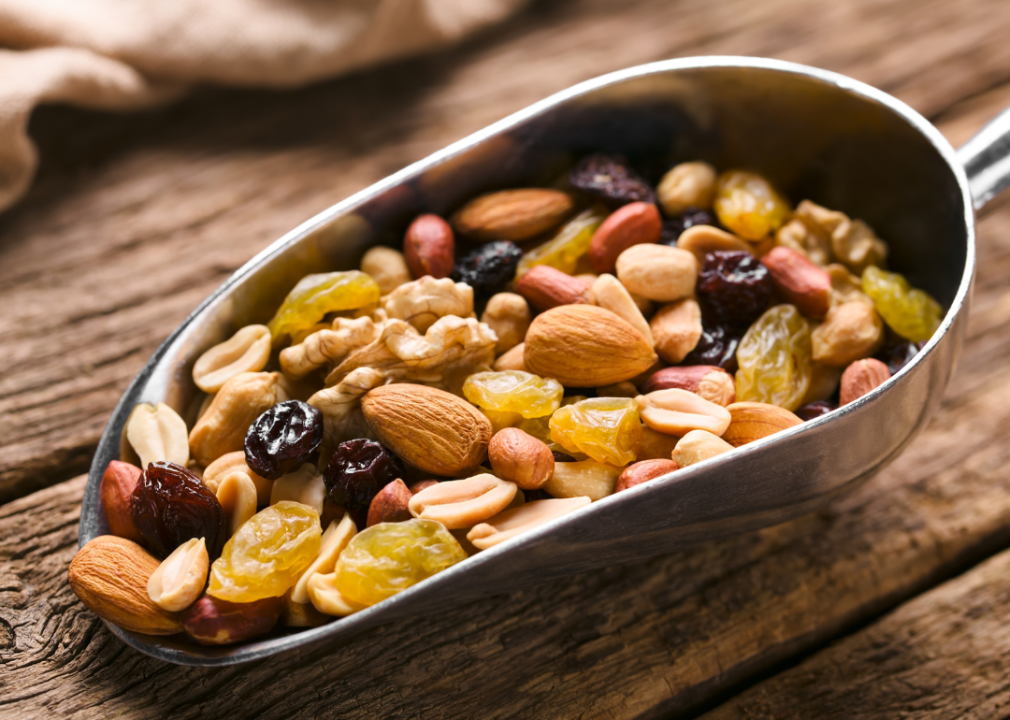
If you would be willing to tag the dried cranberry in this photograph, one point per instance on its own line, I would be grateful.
(282, 438)
(898, 353)
(609, 178)
(170, 505)
(357, 471)
(674, 227)
(733, 289)
(815, 409)
(488, 268)
(716, 346)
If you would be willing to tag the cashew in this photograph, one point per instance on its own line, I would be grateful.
(688, 185)
(179, 580)
(508, 315)
(387, 267)
(508, 524)
(236, 406)
(157, 433)
(463, 503)
(248, 350)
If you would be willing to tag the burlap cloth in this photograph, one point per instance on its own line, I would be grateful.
(124, 54)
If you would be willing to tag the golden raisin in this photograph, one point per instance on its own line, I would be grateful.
(775, 359)
(748, 205)
(606, 429)
(514, 391)
(911, 313)
(316, 295)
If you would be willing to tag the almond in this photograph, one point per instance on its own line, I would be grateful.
(429, 428)
(514, 215)
(428, 247)
(710, 382)
(585, 346)
(632, 224)
(521, 458)
(643, 471)
(109, 575)
(546, 287)
(799, 281)
(116, 491)
(860, 378)
(753, 420)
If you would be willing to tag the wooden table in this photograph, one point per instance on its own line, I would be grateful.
(892, 602)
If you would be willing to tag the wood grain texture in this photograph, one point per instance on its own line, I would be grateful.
(943, 654)
(135, 219)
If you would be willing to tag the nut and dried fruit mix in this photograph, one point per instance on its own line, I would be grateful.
(535, 352)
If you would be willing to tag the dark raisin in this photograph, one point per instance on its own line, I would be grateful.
(716, 346)
(674, 227)
(733, 289)
(609, 178)
(898, 352)
(282, 438)
(816, 409)
(561, 457)
(357, 471)
(170, 505)
(540, 494)
(488, 268)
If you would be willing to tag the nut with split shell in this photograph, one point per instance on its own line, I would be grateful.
(212, 621)
(179, 580)
(678, 412)
(461, 504)
(519, 457)
(248, 350)
(515, 521)
(156, 432)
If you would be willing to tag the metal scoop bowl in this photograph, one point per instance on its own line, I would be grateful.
(815, 134)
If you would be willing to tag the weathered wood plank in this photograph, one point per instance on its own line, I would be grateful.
(135, 219)
(942, 655)
(652, 639)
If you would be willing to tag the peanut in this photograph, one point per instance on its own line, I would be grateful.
(516, 521)
(387, 267)
(156, 432)
(677, 412)
(248, 350)
(676, 329)
(609, 293)
(587, 478)
(698, 446)
(687, 185)
(658, 272)
(461, 504)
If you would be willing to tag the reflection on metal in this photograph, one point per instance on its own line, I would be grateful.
(818, 135)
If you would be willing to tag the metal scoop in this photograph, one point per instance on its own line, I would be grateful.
(815, 134)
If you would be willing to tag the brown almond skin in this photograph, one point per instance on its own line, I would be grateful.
(514, 215)
(390, 504)
(116, 490)
(519, 457)
(632, 224)
(431, 429)
(428, 247)
(799, 281)
(710, 382)
(545, 287)
(860, 378)
(211, 621)
(643, 471)
(752, 421)
(109, 575)
(585, 346)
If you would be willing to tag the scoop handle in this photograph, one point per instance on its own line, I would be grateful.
(986, 160)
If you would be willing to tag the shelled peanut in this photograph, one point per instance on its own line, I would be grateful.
(624, 333)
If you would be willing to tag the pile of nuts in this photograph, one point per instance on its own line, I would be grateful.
(542, 349)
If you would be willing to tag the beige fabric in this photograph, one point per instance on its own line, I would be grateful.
(123, 54)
